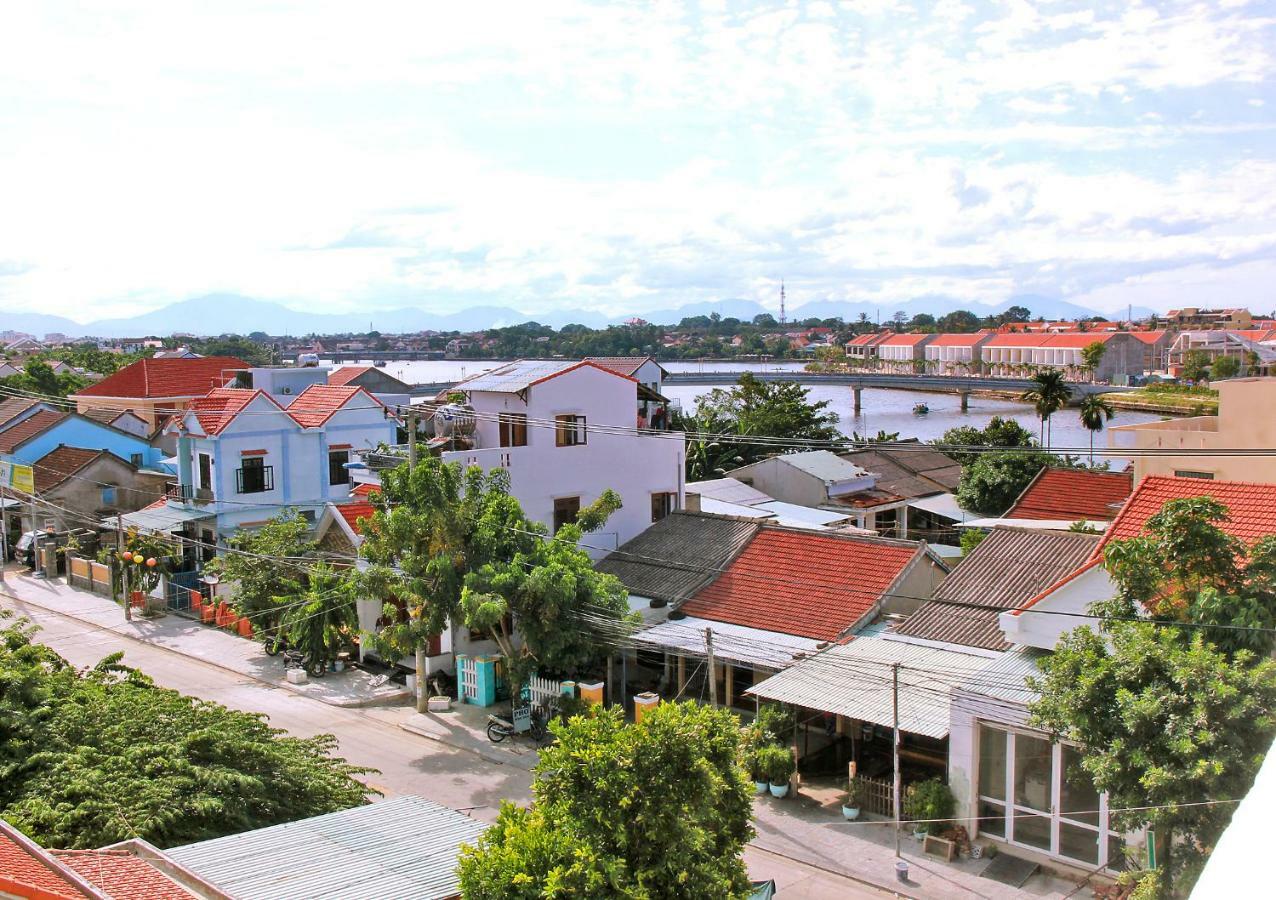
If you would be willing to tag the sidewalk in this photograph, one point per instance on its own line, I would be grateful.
(465, 727)
(352, 688)
(802, 829)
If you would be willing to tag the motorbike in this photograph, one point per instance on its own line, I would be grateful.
(525, 720)
(296, 659)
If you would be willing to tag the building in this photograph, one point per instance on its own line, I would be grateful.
(729, 497)
(1235, 428)
(1156, 349)
(1254, 350)
(157, 388)
(242, 456)
(386, 388)
(904, 352)
(79, 487)
(955, 354)
(642, 369)
(14, 409)
(1014, 353)
(564, 432)
(30, 438)
(1196, 318)
(1073, 495)
(863, 348)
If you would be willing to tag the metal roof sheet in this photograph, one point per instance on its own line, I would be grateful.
(806, 515)
(824, 465)
(521, 374)
(1004, 677)
(854, 680)
(168, 517)
(723, 508)
(728, 490)
(404, 848)
(738, 643)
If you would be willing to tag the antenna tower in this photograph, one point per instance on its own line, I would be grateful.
(783, 317)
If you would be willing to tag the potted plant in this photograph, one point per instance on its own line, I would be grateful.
(930, 805)
(777, 765)
(851, 802)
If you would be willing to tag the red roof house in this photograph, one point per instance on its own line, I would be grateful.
(1069, 495)
(153, 388)
(1251, 506)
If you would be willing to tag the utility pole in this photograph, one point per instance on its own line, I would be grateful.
(422, 702)
(713, 675)
(119, 560)
(895, 748)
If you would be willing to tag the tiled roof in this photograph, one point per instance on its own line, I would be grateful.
(1148, 337)
(905, 340)
(122, 874)
(28, 871)
(1252, 506)
(957, 340)
(677, 555)
(353, 512)
(160, 378)
(346, 374)
(364, 490)
(58, 465)
(1072, 494)
(1007, 570)
(28, 428)
(811, 584)
(870, 339)
(1060, 341)
(625, 365)
(13, 407)
(316, 404)
(908, 473)
(218, 408)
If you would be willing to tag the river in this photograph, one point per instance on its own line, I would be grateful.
(883, 410)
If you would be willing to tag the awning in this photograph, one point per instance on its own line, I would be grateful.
(1046, 524)
(855, 680)
(738, 643)
(944, 505)
(169, 517)
(723, 508)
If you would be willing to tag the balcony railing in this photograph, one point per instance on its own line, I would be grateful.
(255, 481)
(185, 493)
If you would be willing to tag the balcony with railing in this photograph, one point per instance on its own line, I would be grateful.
(188, 493)
(254, 479)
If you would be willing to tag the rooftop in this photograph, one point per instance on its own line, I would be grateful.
(1054, 341)
(354, 511)
(958, 340)
(824, 465)
(1074, 494)
(908, 473)
(728, 490)
(15, 435)
(316, 404)
(625, 365)
(518, 376)
(1007, 570)
(218, 408)
(14, 407)
(347, 374)
(1251, 505)
(905, 340)
(58, 465)
(806, 583)
(166, 378)
(122, 874)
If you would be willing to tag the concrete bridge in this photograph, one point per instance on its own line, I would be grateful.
(962, 385)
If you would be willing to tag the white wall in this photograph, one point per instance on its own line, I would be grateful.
(1041, 625)
(783, 482)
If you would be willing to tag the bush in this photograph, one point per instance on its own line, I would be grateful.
(775, 723)
(776, 764)
(971, 538)
(930, 803)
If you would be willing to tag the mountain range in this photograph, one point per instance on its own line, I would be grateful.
(222, 313)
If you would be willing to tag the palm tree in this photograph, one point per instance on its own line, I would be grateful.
(1049, 394)
(1094, 412)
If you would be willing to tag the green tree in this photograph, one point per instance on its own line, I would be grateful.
(38, 377)
(1196, 365)
(995, 480)
(265, 564)
(960, 321)
(764, 320)
(655, 809)
(1094, 412)
(998, 433)
(1092, 355)
(92, 757)
(1225, 367)
(1049, 394)
(320, 620)
(710, 451)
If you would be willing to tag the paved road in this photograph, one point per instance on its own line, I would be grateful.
(372, 737)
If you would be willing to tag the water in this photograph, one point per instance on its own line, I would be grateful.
(883, 410)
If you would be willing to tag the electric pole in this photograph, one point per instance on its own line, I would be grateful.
(422, 703)
(119, 559)
(713, 674)
(895, 748)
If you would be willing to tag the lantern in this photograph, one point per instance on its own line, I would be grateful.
(137, 558)
(127, 555)
(150, 563)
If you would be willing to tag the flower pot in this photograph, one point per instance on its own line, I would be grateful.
(231, 622)
(137, 599)
(850, 812)
(207, 614)
(760, 787)
(245, 627)
(779, 790)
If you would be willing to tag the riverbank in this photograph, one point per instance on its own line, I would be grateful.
(1182, 402)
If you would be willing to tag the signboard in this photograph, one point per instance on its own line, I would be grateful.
(18, 477)
(522, 719)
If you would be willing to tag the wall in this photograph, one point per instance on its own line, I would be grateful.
(919, 581)
(1236, 426)
(783, 482)
(965, 712)
(82, 494)
(1044, 628)
(76, 431)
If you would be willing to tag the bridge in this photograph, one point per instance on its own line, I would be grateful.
(962, 385)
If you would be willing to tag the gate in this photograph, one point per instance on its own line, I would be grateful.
(180, 585)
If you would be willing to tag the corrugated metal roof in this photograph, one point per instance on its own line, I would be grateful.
(722, 508)
(824, 465)
(168, 517)
(678, 555)
(1003, 678)
(808, 515)
(728, 490)
(1008, 569)
(519, 375)
(738, 643)
(854, 680)
(404, 848)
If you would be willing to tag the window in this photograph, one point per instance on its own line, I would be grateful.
(108, 495)
(136, 459)
(662, 504)
(209, 542)
(205, 472)
(566, 509)
(337, 471)
(254, 476)
(513, 429)
(1190, 473)
(1034, 793)
(569, 431)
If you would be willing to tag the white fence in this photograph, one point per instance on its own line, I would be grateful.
(545, 692)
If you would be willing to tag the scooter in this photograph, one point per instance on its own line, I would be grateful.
(295, 659)
(525, 720)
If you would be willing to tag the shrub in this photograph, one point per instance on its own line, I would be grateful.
(930, 803)
(776, 763)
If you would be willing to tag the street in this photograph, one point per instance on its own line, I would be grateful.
(406, 764)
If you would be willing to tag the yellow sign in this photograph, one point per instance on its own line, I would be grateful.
(18, 477)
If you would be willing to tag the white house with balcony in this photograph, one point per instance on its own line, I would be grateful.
(242, 456)
(566, 431)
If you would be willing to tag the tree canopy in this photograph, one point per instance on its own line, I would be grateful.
(998, 432)
(265, 564)
(656, 809)
(992, 482)
(88, 758)
(1049, 394)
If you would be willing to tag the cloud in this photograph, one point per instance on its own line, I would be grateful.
(627, 157)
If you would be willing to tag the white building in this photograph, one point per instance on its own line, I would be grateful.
(565, 432)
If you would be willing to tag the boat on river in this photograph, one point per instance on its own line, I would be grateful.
(920, 409)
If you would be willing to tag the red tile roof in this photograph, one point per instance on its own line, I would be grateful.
(1251, 506)
(28, 428)
(353, 512)
(363, 490)
(58, 465)
(218, 408)
(316, 404)
(904, 340)
(346, 374)
(802, 582)
(26, 870)
(1148, 337)
(1078, 339)
(166, 378)
(957, 340)
(873, 338)
(14, 407)
(1072, 494)
(122, 874)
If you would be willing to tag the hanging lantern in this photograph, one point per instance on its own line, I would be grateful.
(150, 563)
(137, 558)
(127, 555)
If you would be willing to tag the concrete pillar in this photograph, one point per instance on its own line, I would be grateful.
(965, 400)
(858, 391)
(682, 672)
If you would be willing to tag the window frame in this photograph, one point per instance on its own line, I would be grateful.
(204, 471)
(570, 430)
(668, 501)
(340, 469)
(512, 429)
(560, 522)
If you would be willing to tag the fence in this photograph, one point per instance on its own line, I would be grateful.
(178, 589)
(876, 796)
(89, 575)
(544, 692)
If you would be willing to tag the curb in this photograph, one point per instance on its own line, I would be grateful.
(481, 754)
(353, 703)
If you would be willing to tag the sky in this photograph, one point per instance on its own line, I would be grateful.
(628, 157)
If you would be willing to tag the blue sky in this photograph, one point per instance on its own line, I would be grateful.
(336, 156)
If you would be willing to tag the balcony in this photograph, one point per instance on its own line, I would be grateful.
(188, 493)
(255, 480)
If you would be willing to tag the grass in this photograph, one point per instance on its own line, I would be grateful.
(1170, 398)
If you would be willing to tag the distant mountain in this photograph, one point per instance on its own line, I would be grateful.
(221, 313)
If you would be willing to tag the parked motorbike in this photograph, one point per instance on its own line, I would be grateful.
(525, 720)
(296, 659)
